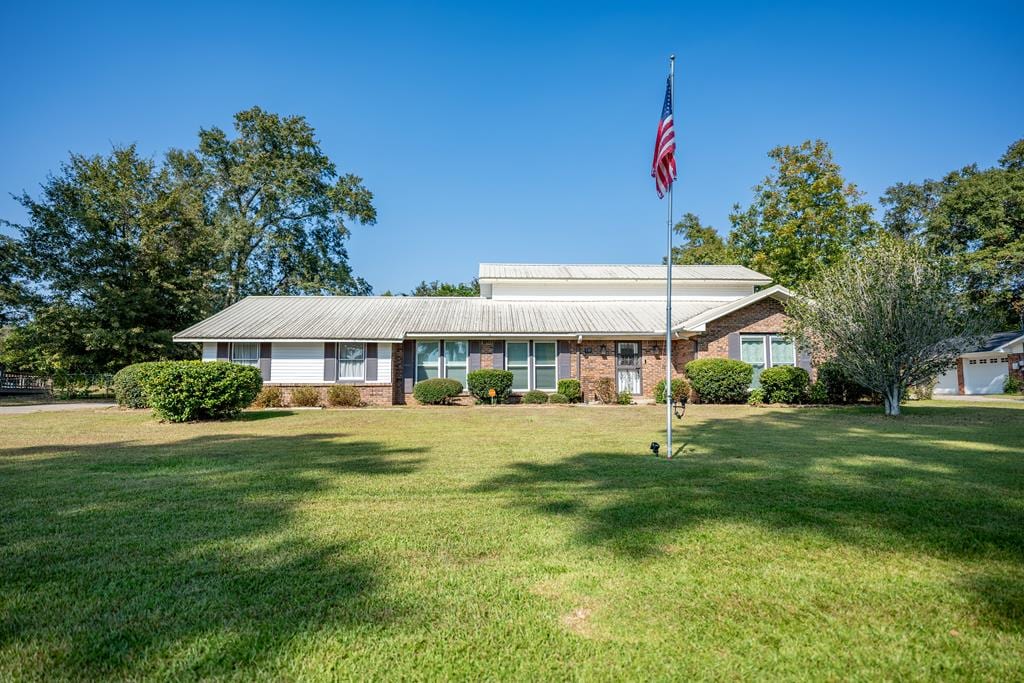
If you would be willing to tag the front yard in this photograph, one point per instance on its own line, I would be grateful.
(515, 543)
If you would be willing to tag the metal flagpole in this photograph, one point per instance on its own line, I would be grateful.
(668, 278)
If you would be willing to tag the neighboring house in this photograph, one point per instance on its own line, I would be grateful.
(984, 370)
(542, 322)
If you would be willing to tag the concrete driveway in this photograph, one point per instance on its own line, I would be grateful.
(54, 407)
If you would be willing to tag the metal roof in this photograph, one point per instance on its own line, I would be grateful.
(563, 271)
(395, 318)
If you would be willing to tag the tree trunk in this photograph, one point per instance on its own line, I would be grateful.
(892, 401)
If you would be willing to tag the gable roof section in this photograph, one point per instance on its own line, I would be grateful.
(1000, 342)
(565, 271)
(699, 321)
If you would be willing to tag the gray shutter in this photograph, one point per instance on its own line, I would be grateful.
(265, 349)
(223, 351)
(371, 362)
(330, 362)
(409, 365)
(474, 356)
(442, 365)
(803, 358)
(563, 359)
(498, 355)
(734, 346)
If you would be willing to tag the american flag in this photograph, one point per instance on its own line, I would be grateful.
(663, 170)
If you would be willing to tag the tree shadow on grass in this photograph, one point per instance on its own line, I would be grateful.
(179, 559)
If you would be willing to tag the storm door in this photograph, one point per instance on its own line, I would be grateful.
(627, 367)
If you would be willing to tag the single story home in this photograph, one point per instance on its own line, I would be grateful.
(985, 369)
(542, 322)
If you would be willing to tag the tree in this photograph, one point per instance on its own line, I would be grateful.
(804, 216)
(977, 217)
(15, 295)
(888, 315)
(438, 288)
(279, 207)
(702, 245)
(118, 248)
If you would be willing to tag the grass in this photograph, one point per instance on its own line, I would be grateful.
(517, 543)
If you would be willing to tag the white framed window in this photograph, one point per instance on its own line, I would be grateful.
(517, 361)
(545, 366)
(456, 359)
(351, 361)
(428, 360)
(766, 351)
(245, 353)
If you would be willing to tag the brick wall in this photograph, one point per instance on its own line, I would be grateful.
(763, 317)
(1016, 358)
(372, 394)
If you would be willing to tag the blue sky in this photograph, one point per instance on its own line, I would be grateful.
(520, 131)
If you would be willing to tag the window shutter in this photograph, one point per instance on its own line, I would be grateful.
(734, 346)
(265, 349)
(474, 356)
(371, 362)
(223, 351)
(330, 362)
(408, 365)
(498, 355)
(563, 359)
(803, 358)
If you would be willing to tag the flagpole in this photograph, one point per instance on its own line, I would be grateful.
(668, 281)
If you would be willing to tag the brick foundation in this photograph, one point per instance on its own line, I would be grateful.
(372, 394)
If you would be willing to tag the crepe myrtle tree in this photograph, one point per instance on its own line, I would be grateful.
(888, 315)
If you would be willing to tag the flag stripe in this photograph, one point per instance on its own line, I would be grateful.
(663, 169)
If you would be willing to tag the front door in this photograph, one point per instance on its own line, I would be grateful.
(627, 367)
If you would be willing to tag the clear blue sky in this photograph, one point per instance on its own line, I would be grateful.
(521, 132)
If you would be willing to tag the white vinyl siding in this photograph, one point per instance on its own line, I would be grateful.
(383, 364)
(297, 363)
(209, 351)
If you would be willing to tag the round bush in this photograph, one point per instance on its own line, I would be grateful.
(535, 396)
(182, 391)
(570, 388)
(720, 380)
(756, 397)
(482, 381)
(269, 397)
(305, 397)
(784, 384)
(437, 391)
(837, 387)
(680, 389)
(128, 389)
(344, 395)
(559, 398)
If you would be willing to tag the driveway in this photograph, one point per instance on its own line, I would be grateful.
(980, 398)
(54, 407)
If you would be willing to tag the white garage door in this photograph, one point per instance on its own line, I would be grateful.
(947, 383)
(984, 375)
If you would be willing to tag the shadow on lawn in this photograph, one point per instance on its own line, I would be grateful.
(127, 559)
(943, 482)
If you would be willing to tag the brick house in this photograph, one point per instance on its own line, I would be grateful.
(542, 322)
(984, 370)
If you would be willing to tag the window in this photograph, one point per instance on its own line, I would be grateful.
(351, 361)
(517, 356)
(752, 351)
(456, 355)
(245, 353)
(545, 366)
(766, 351)
(428, 360)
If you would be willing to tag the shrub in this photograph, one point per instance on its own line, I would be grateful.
(837, 387)
(624, 398)
(817, 394)
(570, 388)
(482, 381)
(720, 380)
(680, 387)
(269, 397)
(535, 396)
(785, 384)
(181, 391)
(1012, 385)
(437, 391)
(923, 391)
(344, 395)
(604, 390)
(305, 397)
(559, 398)
(128, 384)
(756, 397)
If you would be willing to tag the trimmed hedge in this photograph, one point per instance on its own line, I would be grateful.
(559, 398)
(182, 391)
(720, 380)
(570, 388)
(269, 397)
(680, 388)
(535, 396)
(128, 384)
(785, 384)
(305, 397)
(344, 395)
(437, 391)
(481, 381)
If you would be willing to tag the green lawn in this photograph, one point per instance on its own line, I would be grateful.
(517, 543)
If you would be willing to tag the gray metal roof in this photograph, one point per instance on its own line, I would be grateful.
(394, 318)
(563, 271)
